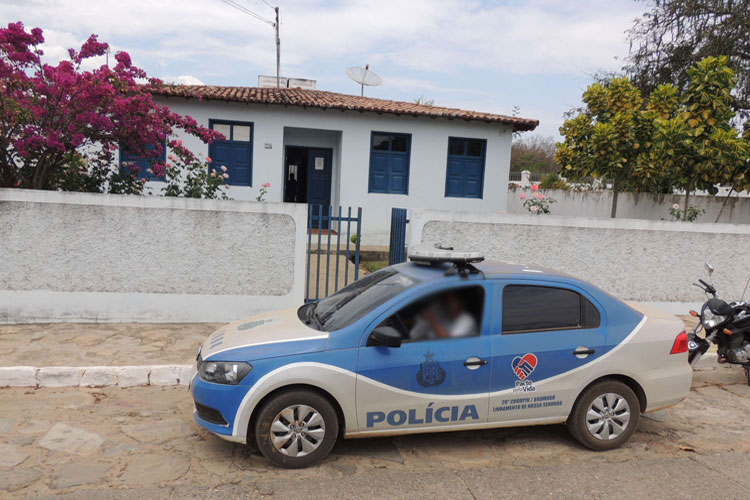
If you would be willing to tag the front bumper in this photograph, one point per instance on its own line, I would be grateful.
(216, 403)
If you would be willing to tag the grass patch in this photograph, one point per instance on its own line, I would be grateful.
(374, 265)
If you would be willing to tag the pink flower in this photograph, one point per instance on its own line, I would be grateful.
(208, 159)
(534, 187)
(523, 196)
(267, 185)
(541, 196)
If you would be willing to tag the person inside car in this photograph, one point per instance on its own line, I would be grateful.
(446, 318)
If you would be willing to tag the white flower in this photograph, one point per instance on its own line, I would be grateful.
(213, 173)
(226, 176)
(223, 168)
(534, 208)
(676, 206)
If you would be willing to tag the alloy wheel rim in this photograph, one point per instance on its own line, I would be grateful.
(297, 430)
(608, 416)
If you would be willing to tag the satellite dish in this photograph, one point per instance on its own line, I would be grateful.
(364, 76)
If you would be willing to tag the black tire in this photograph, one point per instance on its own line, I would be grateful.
(284, 457)
(578, 421)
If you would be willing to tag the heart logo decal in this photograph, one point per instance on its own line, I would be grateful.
(524, 365)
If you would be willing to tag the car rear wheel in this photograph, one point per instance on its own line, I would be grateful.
(605, 415)
(296, 429)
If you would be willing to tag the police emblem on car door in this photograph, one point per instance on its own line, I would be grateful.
(430, 372)
(428, 380)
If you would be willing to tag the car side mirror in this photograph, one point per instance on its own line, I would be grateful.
(385, 336)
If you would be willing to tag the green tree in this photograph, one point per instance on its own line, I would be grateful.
(698, 147)
(609, 135)
(675, 34)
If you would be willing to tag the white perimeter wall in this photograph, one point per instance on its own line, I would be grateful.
(429, 149)
(638, 260)
(634, 205)
(101, 257)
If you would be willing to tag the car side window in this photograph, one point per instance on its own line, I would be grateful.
(533, 308)
(454, 313)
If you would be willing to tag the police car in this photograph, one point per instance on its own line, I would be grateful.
(445, 342)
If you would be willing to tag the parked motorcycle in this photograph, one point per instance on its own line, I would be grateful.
(726, 324)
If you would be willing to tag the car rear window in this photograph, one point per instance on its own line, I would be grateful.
(531, 308)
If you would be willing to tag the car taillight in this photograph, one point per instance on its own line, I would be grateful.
(680, 344)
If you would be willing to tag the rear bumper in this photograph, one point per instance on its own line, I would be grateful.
(667, 386)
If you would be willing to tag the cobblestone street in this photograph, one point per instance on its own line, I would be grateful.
(77, 443)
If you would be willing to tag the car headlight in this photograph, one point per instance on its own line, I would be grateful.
(223, 372)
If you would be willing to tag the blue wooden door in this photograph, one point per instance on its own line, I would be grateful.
(319, 172)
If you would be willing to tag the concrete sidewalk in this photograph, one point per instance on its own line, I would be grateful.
(97, 344)
(99, 355)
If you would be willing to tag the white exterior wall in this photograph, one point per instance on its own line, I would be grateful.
(351, 161)
(106, 257)
(635, 205)
(646, 261)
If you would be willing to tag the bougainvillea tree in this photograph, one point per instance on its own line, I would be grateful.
(61, 125)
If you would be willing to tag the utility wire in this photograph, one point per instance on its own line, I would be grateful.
(269, 4)
(247, 11)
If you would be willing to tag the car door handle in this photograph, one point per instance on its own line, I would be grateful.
(474, 362)
(583, 351)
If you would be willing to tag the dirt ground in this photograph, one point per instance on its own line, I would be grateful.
(142, 443)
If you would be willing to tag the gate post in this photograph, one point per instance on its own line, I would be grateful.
(397, 253)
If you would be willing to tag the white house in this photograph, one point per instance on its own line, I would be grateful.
(352, 151)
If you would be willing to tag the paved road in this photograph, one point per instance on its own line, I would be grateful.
(141, 443)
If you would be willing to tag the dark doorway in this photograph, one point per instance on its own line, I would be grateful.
(307, 179)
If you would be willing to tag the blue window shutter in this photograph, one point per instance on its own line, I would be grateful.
(464, 176)
(389, 170)
(378, 172)
(472, 185)
(453, 177)
(398, 171)
(236, 156)
(143, 164)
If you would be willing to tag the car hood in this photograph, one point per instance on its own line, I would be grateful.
(279, 327)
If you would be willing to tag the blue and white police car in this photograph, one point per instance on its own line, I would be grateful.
(445, 342)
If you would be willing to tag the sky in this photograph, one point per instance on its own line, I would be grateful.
(492, 56)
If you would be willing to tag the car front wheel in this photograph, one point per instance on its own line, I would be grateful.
(296, 429)
(605, 415)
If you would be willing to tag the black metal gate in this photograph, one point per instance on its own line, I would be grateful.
(397, 253)
(325, 227)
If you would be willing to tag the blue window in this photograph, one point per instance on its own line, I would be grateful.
(143, 164)
(389, 163)
(234, 152)
(465, 172)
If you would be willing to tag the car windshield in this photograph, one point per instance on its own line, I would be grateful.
(355, 300)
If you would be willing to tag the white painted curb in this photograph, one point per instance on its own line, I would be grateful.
(95, 376)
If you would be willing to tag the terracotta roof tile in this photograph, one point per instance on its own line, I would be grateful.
(333, 100)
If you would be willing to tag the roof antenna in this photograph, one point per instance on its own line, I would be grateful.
(364, 76)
